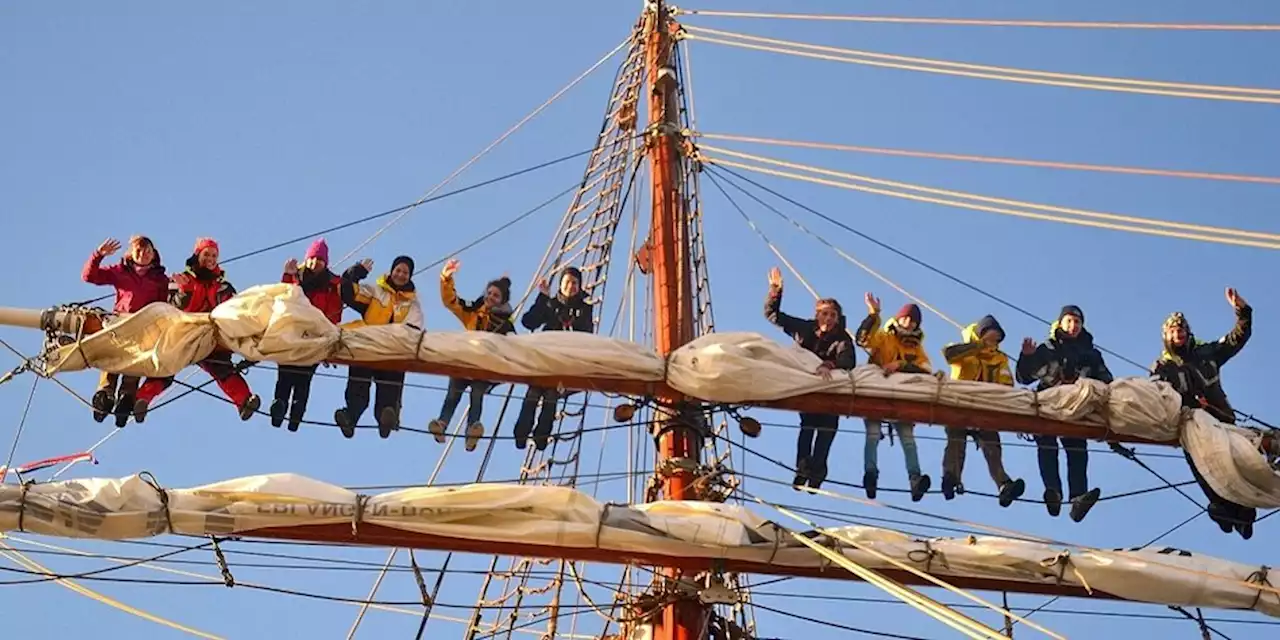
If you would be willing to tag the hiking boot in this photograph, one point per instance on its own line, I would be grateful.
(1011, 490)
(919, 487)
(295, 415)
(475, 431)
(1245, 529)
(104, 400)
(124, 409)
(140, 410)
(277, 412)
(802, 474)
(816, 476)
(388, 421)
(1081, 504)
(250, 407)
(869, 480)
(949, 484)
(436, 428)
(1053, 501)
(1218, 512)
(344, 422)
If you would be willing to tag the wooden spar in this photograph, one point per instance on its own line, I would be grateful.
(889, 409)
(684, 618)
(374, 535)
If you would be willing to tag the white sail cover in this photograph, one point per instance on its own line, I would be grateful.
(129, 507)
(277, 323)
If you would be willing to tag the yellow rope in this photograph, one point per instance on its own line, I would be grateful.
(1047, 164)
(201, 576)
(908, 568)
(934, 609)
(1267, 96)
(20, 559)
(971, 22)
(979, 207)
(1012, 533)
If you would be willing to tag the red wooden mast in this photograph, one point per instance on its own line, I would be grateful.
(673, 298)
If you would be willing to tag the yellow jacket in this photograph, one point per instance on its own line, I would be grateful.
(382, 304)
(481, 318)
(974, 361)
(884, 345)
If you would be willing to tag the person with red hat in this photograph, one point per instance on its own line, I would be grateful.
(1068, 355)
(824, 336)
(198, 289)
(897, 347)
(139, 280)
(1194, 369)
(567, 310)
(322, 288)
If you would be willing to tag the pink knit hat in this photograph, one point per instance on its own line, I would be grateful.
(319, 249)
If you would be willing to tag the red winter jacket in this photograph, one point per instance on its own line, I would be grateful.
(192, 293)
(135, 287)
(324, 292)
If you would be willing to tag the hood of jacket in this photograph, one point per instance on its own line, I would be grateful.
(1083, 340)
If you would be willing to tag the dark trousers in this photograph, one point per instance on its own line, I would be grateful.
(1221, 509)
(549, 398)
(1077, 464)
(813, 445)
(454, 395)
(390, 390)
(296, 382)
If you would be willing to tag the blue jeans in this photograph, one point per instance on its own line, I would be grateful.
(906, 432)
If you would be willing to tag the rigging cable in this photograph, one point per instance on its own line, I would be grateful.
(1009, 74)
(978, 22)
(492, 145)
(1220, 235)
(1045, 164)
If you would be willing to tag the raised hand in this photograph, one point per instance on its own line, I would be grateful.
(775, 278)
(1028, 346)
(367, 263)
(1236, 300)
(108, 247)
(291, 266)
(873, 303)
(450, 268)
(544, 287)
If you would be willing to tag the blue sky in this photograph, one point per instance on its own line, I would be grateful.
(255, 124)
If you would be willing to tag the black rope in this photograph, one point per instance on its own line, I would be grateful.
(388, 212)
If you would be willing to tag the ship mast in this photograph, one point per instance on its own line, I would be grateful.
(678, 438)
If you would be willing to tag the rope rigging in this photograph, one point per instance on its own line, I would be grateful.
(976, 22)
(1046, 164)
(852, 181)
(1008, 74)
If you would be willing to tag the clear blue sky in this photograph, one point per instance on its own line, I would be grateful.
(256, 124)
